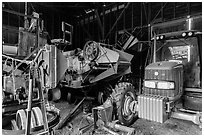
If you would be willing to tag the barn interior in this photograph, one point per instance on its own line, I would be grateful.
(84, 68)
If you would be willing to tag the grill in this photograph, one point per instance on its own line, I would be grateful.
(152, 108)
(165, 71)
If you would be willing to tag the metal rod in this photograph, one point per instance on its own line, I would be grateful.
(148, 21)
(43, 108)
(29, 107)
(195, 118)
(99, 23)
(121, 127)
(145, 11)
(162, 11)
(24, 61)
(63, 121)
(117, 20)
(154, 49)
(26, 58)
(19, 14)
(132, 16)
(85, 30)
(141, 19)
(25, 18)
(110, 131)
(103, 36)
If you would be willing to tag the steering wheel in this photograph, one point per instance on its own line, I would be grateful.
(91, 50)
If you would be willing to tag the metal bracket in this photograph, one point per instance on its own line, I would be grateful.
(67, 29)
(169, 106)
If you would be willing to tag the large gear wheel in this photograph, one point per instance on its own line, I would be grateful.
(125, 98)
(91, 50)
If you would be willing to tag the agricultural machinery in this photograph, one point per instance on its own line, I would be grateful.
(171, 85)
(25, 109)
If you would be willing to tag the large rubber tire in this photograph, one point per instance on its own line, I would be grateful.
(123, 92)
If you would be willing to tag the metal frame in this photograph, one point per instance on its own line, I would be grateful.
(27, 16)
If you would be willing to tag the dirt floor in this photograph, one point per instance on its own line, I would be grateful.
(143, 127)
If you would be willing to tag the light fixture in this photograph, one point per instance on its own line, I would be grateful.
(190, 34)
(149, 84)
(165, 85)
(161, 37)
(183, 34)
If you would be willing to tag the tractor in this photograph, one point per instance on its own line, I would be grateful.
(172, 81)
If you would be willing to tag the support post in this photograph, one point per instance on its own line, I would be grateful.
(103, 36)
(154, 50)
(149, 19)
(29, 108)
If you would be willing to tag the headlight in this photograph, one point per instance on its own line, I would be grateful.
(184, 34)
(150, 84)
(165, 85)
(190, 33)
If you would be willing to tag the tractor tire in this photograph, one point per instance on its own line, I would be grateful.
(123, 95)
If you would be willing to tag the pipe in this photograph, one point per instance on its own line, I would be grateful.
(154, 49)
(26, 23)
(110, 131)
(55, 60)
(121, 127)
(28, 122)
(195, 118)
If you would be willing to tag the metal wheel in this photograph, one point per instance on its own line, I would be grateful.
(129, 97)
(21, 119)
(91, 50)
(38, 116)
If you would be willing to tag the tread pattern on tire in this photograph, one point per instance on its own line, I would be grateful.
(117, 97)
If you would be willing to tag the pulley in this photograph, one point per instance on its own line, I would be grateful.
(91, 50)
(36, 118)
